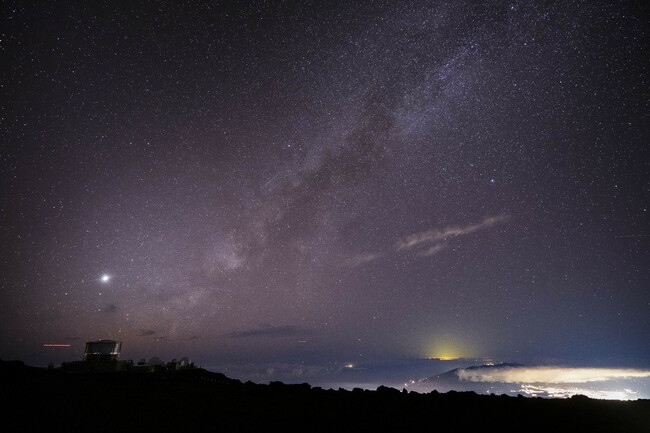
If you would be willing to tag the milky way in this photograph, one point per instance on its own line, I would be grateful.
(326, 182)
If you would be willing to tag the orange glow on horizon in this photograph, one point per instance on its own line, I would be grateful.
(449, 348)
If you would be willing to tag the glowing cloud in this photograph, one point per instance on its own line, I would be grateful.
(436, 235)
(548, 375)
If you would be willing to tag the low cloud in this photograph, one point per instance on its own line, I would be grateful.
(548, 375)
(111, 308)
(146, 332)
(289, 373)
(436, 235)
(271, 332)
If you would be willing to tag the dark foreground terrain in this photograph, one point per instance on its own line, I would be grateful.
(198, 400)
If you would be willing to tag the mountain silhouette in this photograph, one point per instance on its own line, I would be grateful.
(451, 376)
(450, 381)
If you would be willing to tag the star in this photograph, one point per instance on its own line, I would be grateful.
(105, 278)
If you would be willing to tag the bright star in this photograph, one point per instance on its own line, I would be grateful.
(105, 278)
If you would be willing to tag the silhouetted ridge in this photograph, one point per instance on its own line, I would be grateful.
(198, 400)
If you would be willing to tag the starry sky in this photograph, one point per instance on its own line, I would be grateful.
(323, 182)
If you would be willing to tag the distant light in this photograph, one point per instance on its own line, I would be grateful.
(105, 278)
(56, 345)
(349, 365)
(449, 348)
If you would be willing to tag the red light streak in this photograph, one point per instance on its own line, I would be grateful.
(56, 345)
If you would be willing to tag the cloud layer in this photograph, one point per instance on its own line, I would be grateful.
(271, 332)
(548, 375)
(427, 243)
(436, 235)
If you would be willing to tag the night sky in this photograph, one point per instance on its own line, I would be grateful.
(320, 183)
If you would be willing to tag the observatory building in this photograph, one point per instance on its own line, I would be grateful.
(100, 356)
(102, 350)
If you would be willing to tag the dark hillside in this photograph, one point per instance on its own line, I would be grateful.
(198, 400)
